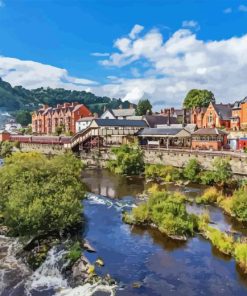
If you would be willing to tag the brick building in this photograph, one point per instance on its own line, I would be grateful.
(197, 115)
(217, 115)
(239, 115)
(209, 139)
(47, 119)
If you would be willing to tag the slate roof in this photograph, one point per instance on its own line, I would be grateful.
(120, 122)
(154, 120)
(159, 131)
(224, 111)
(123, 112)
(209, 132)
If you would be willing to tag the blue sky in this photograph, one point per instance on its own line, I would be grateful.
(157, 61)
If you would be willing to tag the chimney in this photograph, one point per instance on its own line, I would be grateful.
(120, 106)
(184, 117)
(172, 110)
(161, 111)
(96, 115)
(66, 105)
(131, 106)
(44, 106)
(59, 106)
(168, 116)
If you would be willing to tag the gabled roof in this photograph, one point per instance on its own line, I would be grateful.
(223, 110)
(163, 132)
(209, 132)
(120, 122)
(123, 112)
(154, 120)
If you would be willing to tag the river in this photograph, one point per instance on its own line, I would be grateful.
(143, 261)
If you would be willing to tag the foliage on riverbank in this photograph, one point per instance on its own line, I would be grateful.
(6, 149)
(166, 211)
(38, 194)
(220, 175)
(159, 172)
(128, 160)
(224, 242)
(210, 195)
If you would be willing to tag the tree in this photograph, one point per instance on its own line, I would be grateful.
(192, 170)
(128, 160)
(23, 117)
(6, 149)
(38, 194)
(198, 98)
(143, 107)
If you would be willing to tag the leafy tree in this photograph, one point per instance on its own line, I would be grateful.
(38, 194)
(5, 149)
(198, 98)
(23, 117)
(221, 173)
(143, 107)
(128, 160)
(192, 170)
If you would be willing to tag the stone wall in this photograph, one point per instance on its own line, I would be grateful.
(42, 148)
(171, 157)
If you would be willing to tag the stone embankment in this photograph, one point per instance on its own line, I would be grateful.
(176, 158)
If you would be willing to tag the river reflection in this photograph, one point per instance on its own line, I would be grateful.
(160, 265)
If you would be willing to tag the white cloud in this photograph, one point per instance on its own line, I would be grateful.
(242, 8)
(227, 10)
(191, 24)
(178, 64)
(135, 31)
(100, 54)
(32, 75)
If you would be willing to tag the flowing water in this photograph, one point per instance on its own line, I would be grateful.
(143, 261)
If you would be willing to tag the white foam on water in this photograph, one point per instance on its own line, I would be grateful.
(88, 290)
(48, 275)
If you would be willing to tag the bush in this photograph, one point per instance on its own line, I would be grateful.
(159, 172)
(220, 175)
(192, 170)
(223, 242)
(240, 255)
(128, 160)
(6, 149)
(75, 252)
(239, 204)
(167, 211)
(210, 195)
(38, 194)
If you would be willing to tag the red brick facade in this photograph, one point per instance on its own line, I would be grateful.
(47, 119)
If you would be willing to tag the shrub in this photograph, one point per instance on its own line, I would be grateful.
(161, 172)
(240, 255)
(220, 175)
(167, 211)
(192, 170)
(40, 194)
(128, 160)
(223, 242)
(210, 195)
(75, 252)
(239, 204)
(207, 178)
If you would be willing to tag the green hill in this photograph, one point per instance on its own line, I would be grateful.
(19, 98)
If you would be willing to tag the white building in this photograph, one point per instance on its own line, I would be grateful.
(12, 126)
(118, 113)
(83, 123)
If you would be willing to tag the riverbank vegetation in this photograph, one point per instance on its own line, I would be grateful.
(40, 195)
(128, 160)
(166, 211)
(220, 175)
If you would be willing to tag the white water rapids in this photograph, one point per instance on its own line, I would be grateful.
(48, 277)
